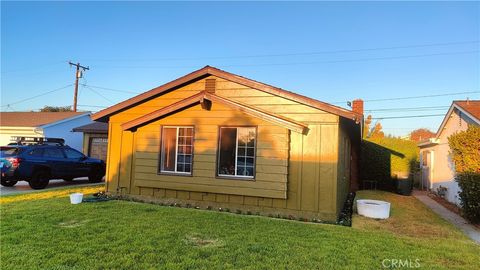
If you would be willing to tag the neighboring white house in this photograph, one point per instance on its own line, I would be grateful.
(436, 162)
(43, 124)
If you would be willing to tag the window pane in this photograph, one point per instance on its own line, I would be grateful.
(168, 149)
(180, 167)
(228, 137)
(241, 151)
(240, 161)
(250, 151)
(188, 167)
(36, 152)
(251, 137)
(73, 154)
(249, 171)
(53, 153)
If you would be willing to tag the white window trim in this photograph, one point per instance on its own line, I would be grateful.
(236, 155)
(176, 151)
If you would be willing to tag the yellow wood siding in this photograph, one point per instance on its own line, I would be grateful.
(295, 173)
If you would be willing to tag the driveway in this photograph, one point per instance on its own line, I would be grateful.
(23, 187)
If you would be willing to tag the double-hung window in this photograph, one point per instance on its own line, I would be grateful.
(236, 154)
(177, 150)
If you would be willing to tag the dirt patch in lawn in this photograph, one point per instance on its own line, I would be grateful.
(201, 241)
(72, 223)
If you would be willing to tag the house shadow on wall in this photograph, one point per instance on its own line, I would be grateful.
(138, 177)
(376, 167)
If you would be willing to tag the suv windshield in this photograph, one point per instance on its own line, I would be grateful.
(9, 151)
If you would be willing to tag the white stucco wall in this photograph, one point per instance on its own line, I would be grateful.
(7, 132)
(63, 129)
(442, 173)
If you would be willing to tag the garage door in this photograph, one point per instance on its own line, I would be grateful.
(98, 148)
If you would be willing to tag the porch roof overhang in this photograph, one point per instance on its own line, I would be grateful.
(205, 99)
(428, 143)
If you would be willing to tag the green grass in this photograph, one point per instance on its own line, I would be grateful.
(49, 233)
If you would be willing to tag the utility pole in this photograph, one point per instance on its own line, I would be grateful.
(78, 75)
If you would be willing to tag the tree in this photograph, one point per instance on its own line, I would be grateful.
(366, 125)
(56, 109)
(377, 131)
(421, 134)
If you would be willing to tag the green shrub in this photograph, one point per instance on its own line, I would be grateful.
(465, 147)
(465, 150)
(470, 195)
(383, 158)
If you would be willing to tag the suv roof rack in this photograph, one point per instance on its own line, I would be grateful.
(37, 140)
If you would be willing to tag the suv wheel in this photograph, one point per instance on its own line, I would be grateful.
(39, 179)
(8, 183)
(96, 175)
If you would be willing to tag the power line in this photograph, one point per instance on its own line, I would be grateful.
(428, 108)
(412, 97)
(98, 93)
(93, 106)
(293, 54)
(303, 63)
(424, 96)
(407, 116)
(39, 95)
(111, 89)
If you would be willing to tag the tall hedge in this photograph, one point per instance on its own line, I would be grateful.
(465, 150)
(470, 195)
(383, 158)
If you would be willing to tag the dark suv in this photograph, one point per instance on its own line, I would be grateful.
(38, 163)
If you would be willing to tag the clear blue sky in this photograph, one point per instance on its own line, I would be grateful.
(322, 47)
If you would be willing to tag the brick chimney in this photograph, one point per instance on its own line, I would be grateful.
(357, 106)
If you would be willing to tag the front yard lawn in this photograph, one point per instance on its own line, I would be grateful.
(42, 230)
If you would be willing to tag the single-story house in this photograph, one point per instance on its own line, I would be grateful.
(435, 159)
(43, 124)
(213, 138)
(95, 139)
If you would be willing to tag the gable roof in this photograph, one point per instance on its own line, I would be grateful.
(204, 98)
(34, 119)
(471, 108)
(207, 71)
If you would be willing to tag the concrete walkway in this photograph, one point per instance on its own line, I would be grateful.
(471, 231)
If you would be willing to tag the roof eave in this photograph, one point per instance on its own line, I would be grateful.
(103, 115)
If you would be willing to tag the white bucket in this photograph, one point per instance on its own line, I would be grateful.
(373, 209)
(76, 198)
